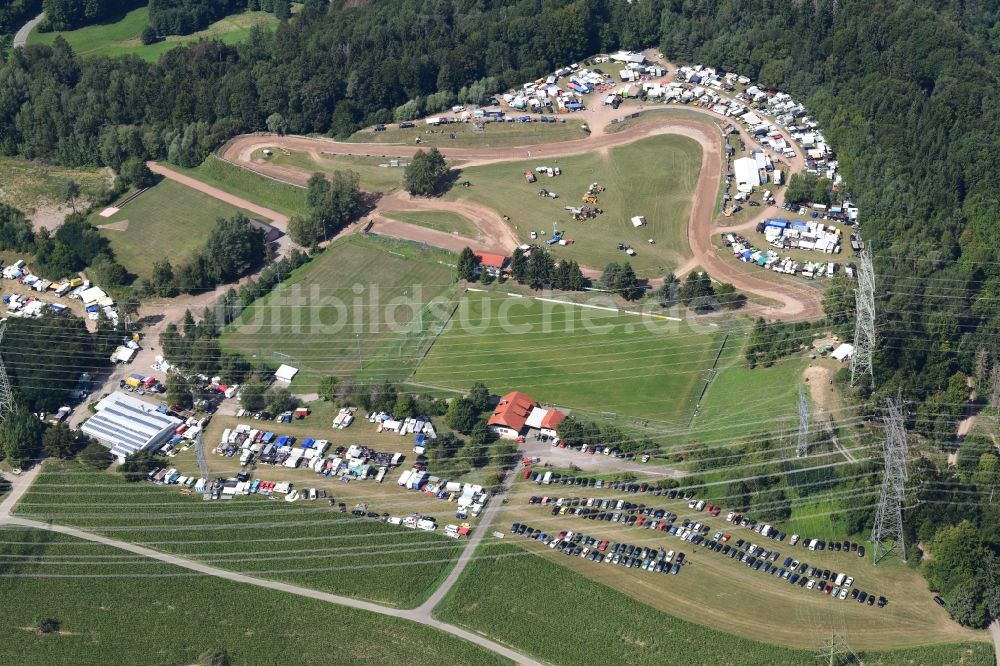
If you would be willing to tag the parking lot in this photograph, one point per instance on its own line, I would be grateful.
(383, 497)
(711, 583)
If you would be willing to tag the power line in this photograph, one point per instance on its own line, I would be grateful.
(835, 651)
(864, 323)
(802, 449)
(889, 515)
(6, 397)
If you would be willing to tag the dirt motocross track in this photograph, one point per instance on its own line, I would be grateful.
(794, 300)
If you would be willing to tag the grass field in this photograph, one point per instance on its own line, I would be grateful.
(131, 610)
(308, 543)
(363, 307)
(28, 185)
(588, 359)
(441, 221)
(654, 178)
(168, 221)
(740, 400)
(494, 136)
(559, 616)
(373, 177)
(122, 36)
(281, 197)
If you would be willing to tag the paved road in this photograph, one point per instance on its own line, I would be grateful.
(481, 530)
(19, 485)
(420, 615)
(592, 462)
(21, 38)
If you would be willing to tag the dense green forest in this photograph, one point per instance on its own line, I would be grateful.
(16, 13)
(182, 17)
(905, 90)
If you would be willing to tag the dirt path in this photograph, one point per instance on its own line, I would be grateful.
(21, 37)
(478, 534)
(421, 615)
(995, 635)
(162, 313)
(216, 193)
(796, 301)
(412, 615)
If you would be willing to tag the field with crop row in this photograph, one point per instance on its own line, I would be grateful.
(312, 544)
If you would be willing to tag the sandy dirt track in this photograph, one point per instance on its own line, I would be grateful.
(796, 301)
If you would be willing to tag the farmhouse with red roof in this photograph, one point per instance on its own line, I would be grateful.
(517, 413)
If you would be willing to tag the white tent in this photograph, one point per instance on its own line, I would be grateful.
(285, 373)
(123, 355)
(747, 174)
(638, 221)
(92, 295)
(843, 352)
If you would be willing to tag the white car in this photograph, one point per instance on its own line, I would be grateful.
(794, 540)
(810, 585)
(843, 594)
(849, 581)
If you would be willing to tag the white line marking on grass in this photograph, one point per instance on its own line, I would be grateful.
(579, 305)
(650, 314)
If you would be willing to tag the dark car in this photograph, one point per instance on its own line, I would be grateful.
(882, 601)
(862, 596)
(861, 551)
(871, 600)
(938, 600)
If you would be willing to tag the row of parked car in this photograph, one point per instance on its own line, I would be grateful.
(695, 532)
(655, 560)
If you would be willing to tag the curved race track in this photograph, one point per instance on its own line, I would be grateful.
(794, 300)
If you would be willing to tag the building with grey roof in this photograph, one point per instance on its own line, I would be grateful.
(126, 424)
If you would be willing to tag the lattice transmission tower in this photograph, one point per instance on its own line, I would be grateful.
(836, 652)
(6, 397)
(887, 533)
(802, 448)
(864, 322)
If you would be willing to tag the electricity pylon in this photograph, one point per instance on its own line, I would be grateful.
(889, 515)
(864, 322)
(6, 397)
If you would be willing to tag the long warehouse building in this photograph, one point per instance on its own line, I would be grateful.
(126, 424)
